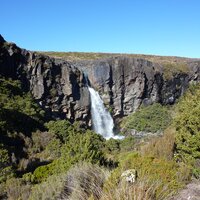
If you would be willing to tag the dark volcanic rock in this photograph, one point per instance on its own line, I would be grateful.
(55, 84)
(124, 83)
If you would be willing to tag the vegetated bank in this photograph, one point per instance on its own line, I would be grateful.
(44, 158)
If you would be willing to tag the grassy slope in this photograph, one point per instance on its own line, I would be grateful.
(73, 56)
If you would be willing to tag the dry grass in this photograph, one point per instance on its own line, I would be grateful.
(17, 189)
(160, 147)
(141, 190)
(74, 56)
(84, 181)
(50, 189)
(170, 69)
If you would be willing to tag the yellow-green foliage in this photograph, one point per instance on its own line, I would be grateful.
(113, 146)
(13, 98)
(170, 69)
(4, 158)
(165, 176)
(187, 124)
(151, 118)
(17, 109)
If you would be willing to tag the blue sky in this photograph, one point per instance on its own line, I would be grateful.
(161, 27)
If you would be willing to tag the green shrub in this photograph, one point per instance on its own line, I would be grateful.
(112, 146)
(6, 170)
(151, 118)
(43, 172)
(6, 173)
(53, 149)
(4, 157)
(79, 146)
(187, 124)
(17, 109)
(13, 98)
(61, 128)
(127, 144)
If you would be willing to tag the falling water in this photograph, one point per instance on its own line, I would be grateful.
(101, 118)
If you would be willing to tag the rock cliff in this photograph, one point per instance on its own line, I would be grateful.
(55, 84)
(124, 83)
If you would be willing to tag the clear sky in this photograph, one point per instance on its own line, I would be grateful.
(161, 27)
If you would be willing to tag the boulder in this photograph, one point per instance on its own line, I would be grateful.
(129, 176)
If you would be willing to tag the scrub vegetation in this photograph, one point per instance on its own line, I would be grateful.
(48, 159)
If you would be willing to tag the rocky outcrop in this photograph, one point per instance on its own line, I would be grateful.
(191, 192)
(55, 84)
(124, 83)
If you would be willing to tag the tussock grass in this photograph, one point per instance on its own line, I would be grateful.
(84, 181)
(160, 147)
(143, 189)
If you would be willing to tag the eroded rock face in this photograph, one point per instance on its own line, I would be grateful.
(56, 84)
(124, 83)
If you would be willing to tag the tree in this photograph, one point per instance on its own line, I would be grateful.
(187, 124)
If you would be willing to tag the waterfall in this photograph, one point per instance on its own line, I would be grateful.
(101, 119)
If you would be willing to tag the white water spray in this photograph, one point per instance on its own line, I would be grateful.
(101, 118)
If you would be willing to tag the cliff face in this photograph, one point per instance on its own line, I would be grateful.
(124, 83)
(55, 84)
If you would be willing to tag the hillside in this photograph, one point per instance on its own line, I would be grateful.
(49, 151)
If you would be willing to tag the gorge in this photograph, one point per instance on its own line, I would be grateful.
(123, 82)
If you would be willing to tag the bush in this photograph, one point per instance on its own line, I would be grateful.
(127, 144)
(151, 118)
(53, 149)
(12, 97)
(187, 124)
(4, 157)
(79, 146)
(112, 146)
(61, 128)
